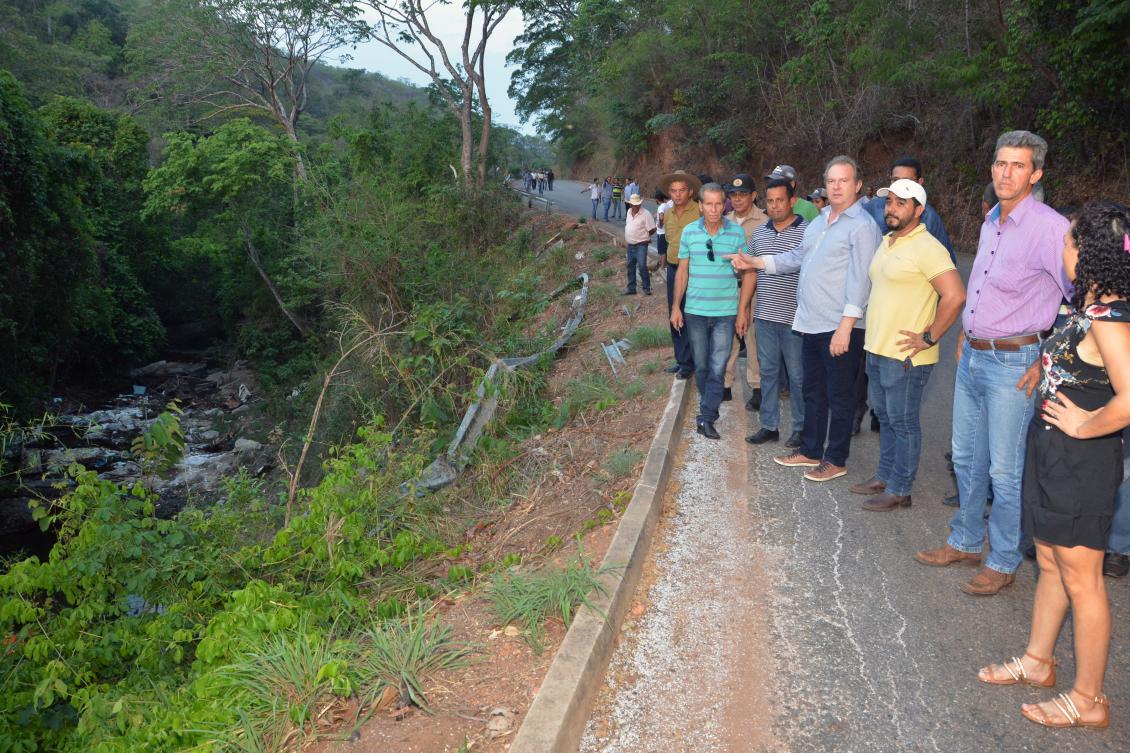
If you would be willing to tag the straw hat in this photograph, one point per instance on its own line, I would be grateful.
(691, 180)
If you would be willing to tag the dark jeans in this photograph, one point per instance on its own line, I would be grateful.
(710, 338)
(617, 205)
(637, 257)
(829, 391)
(607, 206)
(896, 398)
(683, 355)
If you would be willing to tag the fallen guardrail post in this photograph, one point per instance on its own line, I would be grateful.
(446, 468)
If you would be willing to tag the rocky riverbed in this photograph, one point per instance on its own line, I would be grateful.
(221, 430)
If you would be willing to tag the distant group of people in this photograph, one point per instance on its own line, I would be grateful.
(537, 180)
(842, 301)
(613, 194)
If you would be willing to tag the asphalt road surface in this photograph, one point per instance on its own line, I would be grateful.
(777, 615)
(571, 197)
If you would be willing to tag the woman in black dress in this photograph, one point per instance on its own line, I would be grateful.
(1073, 467)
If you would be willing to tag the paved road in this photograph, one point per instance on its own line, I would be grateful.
(827, 636)
(571, 197)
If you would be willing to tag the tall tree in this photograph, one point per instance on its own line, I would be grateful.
(459, 74)
(238, 56)
(223, 189)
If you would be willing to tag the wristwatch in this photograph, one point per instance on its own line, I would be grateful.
(930, 342)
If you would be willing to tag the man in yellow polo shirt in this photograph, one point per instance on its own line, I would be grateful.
(681, 187)
(916, 295)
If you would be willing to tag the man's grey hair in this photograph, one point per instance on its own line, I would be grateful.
(1024, 140)
(843, 159)
(711, 187)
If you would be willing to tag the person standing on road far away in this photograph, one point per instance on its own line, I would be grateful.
(707, 280)
(833, 260)
(638, 229)
(819, 198)
(916, 296)
(549, 179)
(1072, 468)
(1015, 288)
(594, 194)
(662, 204)
(629, 190)
(911, 169)
(803, 207)
(682, 188)
(606, 196)
(617, 197)
(773, 314)
(742, 194)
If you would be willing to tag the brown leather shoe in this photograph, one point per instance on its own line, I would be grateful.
(946, 555)
(988, 582)
(826, 472)
(886, 502)
(868, 487)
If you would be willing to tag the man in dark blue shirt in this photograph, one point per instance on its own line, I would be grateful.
(910, 168)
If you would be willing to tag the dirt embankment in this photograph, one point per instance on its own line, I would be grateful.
(562, 491)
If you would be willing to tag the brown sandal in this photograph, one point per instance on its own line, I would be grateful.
(1070, 713)
(1018, 675)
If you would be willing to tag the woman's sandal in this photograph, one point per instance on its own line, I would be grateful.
(1017, 674)
(1069, 713)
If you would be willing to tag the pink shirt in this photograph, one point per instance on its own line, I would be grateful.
(1017, 281)
(638, 226)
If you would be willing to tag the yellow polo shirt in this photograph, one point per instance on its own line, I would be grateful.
(901, 294)
(673, 223)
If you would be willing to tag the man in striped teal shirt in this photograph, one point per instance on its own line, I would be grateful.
(711, 304)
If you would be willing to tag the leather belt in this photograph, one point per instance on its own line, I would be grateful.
(1010, 344)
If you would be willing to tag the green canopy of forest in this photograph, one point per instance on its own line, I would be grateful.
(798, 82)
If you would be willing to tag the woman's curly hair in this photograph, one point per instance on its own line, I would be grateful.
(1100, 232)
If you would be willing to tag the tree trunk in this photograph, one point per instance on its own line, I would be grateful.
(299, 165)
(484, 135)
(253, 257)
(466, 161)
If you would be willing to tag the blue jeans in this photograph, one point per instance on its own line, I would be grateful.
(829, 396)
(679, 340)
(895, 394)
(1120, 526)
(710, 338)
(617, 206)
(990, 424)
(778, 342)
(595, 202)
(607, 206)
(637, 257)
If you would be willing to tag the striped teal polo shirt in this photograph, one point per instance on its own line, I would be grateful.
(713, 288)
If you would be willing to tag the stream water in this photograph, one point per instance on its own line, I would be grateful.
(218, 406)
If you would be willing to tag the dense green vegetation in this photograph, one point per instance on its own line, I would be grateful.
(143, 201)
(800, 81)
(131, 217)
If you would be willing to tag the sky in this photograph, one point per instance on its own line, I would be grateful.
(448, 23)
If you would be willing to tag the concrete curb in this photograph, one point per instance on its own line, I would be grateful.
(558, 714)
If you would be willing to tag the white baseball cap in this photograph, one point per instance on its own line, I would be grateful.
(905, 188)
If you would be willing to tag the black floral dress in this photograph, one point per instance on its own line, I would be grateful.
(1070, 484)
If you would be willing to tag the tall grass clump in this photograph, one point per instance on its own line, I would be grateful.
(530, 598)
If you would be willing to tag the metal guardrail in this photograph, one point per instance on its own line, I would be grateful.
(531, 198)
(446, 468)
